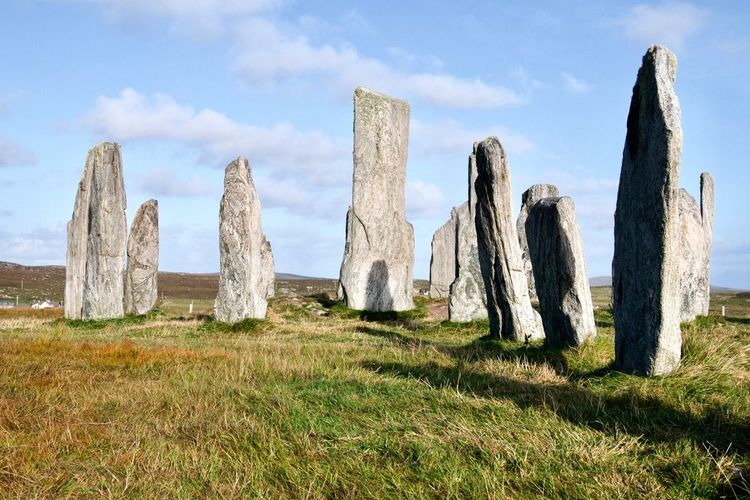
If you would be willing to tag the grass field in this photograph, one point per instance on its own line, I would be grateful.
(346, 405)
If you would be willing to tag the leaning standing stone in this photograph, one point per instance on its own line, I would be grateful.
(528, 198)
(556, 253)
(443, 260)
(646, 262)
(244, 271)
(376, 271)
(508, 302)
(143, 260)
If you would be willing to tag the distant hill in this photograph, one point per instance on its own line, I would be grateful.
(606, 281)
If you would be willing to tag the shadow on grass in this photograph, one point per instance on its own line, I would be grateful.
(647, 417)
(336, 308)
(247, 325)
(98, 324)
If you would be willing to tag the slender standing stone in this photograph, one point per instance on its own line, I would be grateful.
(269, 270)
(646, 262)
(528, 198)
(707, 217)
(508, 303)
(468, 299)
(376, 271)
(143, 260)
(556, 253)
(244, 273)
(443, 261)
(95, 263)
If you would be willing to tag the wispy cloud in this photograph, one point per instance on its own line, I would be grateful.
(450, 136)
(168, 182)
(669, 23)
(575, 85)
(14, 155)
(424, 200)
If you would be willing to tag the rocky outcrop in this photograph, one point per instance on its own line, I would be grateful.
(246, 262)
(646, 262)
(508, 304)
(528, 198)
(95, 262)
(443, 260)
(143, 260)
(559, 265)
(376, 271)
(696, 235)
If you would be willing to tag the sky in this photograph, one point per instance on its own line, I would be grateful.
(186, 86)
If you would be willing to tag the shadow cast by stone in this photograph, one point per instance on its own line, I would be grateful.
(378, 294)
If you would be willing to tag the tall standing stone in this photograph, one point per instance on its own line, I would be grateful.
(508, 303)
(95, 262)
(269, 270)
(376, 271)
(143, 260)
(646, 262)
(696, 229)
(443, 260)
(556, 253)
(244, 273)
(528, 198)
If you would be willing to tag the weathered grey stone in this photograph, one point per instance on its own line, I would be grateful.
(143, 260)
(95, 262)
(556, 253)
(646, 262)
(269, 270)
(696, 229)
(443, 260)
(376, 271)
(467, 300)
(244, 275)
(508, 303)
(528, 198)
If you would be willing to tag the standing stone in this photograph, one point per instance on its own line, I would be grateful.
(269, 270)
(508, 303)
(468, 300)
(556, 253)
(143, 260)
(443, 261)
(528, 198)
(246, 263)
(376, 271)
(95, 262)
(696, 229)
(646, 262)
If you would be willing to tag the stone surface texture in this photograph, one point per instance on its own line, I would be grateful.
(646, 262)
(559, 264)
(508, 304)
(95, 262)
(443, 260)
(143, 260)
(528, 198)
(696, 228)
(244, 271)
(376, 271)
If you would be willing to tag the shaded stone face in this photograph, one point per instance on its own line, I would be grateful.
(556, 253)
(376, 271)
(246, 269)
(528, 198)
(508, 304)
(646, 263)
(443, 261)
(143, 260)
(95, 262)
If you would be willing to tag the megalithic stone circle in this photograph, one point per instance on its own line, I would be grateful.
(528, 198)
(443, 260)
(143, 260)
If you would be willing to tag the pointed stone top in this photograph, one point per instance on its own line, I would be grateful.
(662, 59)
(539, 191)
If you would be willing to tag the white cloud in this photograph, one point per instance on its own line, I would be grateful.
(424, 200)
(168, 182)
(669, 23)
(13, 155)
(449, 136)
(266, 55)
(575, 85)
(328, 204)
(39, 246)
(281, 149)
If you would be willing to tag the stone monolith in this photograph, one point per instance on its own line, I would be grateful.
(246, 263)
(508, 304)
(707, 217)
(646, 262)
(143, 260)
(376, 271)
(528, 198)
(95, 261)
(556, 253)
(443, 260)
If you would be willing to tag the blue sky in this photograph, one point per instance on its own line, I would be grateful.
(187, 85)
